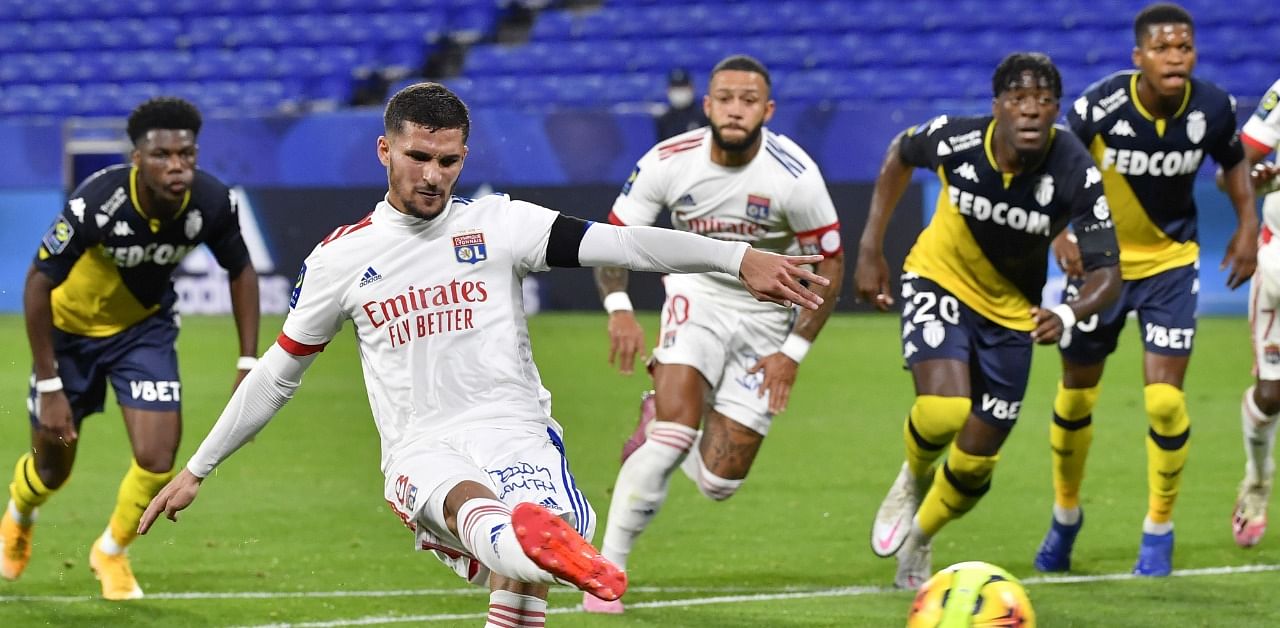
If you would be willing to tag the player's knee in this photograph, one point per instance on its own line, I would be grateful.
(53, 477)
(153, 461)
(715, 487)
(969, 473)
(1074, 404)
(934, 413)
(1267, 397)
(1166, 408)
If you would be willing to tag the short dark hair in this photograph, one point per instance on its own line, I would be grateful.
(743, 63)
(1159, 13)
(429, 105)
(163, 112)
(1009, 73)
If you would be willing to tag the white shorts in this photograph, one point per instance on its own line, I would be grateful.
(722, 339)
(523, 462)
(1264, 300)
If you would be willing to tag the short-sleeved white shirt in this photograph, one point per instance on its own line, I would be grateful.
(778, 202)
(438, 314)
(1263, 131)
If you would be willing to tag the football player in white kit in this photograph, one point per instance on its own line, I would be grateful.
(725, 363)
(474, 463)
(1260, 407)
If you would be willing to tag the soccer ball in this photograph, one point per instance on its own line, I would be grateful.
(972, 594)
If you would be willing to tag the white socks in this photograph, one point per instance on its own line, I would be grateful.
(642, 485)
(1066, 516)
(484, 527)
(512, 610)
(1259, 440)
(108, 544)
(1151, 527)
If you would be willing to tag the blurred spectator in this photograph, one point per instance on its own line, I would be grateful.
(370, 87)
(682, 114)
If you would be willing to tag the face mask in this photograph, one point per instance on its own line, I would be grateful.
(680, 97)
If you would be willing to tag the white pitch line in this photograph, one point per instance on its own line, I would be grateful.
(763, 597)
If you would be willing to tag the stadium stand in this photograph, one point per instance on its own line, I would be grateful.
(253, 57)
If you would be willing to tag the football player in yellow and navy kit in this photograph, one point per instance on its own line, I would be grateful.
(99, 310)
(1149, 130)
(1010, 183)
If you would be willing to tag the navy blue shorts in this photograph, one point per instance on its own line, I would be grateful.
(1166, 307)
(141, 362)
(938, 326)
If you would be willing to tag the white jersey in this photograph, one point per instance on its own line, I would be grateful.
(438, 314)
(1263, 131)
(778, 202)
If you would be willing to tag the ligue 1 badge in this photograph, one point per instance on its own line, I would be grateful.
(468, 248)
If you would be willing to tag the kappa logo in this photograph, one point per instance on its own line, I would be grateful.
(936, 124)
(122, 229)
(967, 171)
(1092, 176)
(77, 207)
(1122, 128)
(370, 276)
(909, 350)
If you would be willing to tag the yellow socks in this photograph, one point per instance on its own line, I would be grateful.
(1166, 448)
(1069, 437)
(957, 487)
(26, 490)
(932, 423)
(136, 491)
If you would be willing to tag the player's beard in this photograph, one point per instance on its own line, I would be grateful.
(736, 147)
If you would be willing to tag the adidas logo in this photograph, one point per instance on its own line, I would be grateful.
(1122, 127)
(967, 171)
(122, 229)
(685, 201)
(549, 504)
(370, 276)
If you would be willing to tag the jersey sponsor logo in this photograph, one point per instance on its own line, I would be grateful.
(1157, 164)
(1110, 103)
(122, 229)
(967, 171)
(981, 208)
(156, 253)
(59, 236)
(468, 248)
(113, 202)
(714, 227)
(370, 275)
(961, 142)
(1268, 104)
(77, 207)
(1169, 337)
(1044, 190)
(757, 206)
(297, 287)
(1122, 128)
(155, 391)
(626, 187)
(191, 228)
(405, 319)
(1196, 126)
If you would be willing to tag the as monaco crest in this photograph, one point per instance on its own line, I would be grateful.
(194, 222)
(1195, 126)
(1044, 190)
(468, 248)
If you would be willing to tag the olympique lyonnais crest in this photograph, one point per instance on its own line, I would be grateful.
(468, 248)
(1044, 190)
(757, 206)
(1195, 126)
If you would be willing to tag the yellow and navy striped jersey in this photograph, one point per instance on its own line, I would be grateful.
(112, 264)
(988, 241)
(1149, 164)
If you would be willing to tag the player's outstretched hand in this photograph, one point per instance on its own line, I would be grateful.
(871, 279)
(1048, 326)
(1067, 252)
(176, 495)
(1242, 255)
(626, 340)
(776, 278)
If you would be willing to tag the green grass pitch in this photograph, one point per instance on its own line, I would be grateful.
(293, 529)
